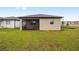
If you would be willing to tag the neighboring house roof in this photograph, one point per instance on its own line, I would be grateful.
(41, 16)
(16, 18)
(9, 18)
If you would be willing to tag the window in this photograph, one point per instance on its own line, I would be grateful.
(7, 21)
(51, 22)
(33, 22)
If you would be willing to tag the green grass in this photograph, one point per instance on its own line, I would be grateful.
(16, 40)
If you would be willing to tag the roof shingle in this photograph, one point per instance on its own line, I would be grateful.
(42, 15)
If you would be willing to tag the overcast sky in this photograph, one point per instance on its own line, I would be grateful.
(69, 13)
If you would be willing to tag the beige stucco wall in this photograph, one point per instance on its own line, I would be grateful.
(45, 24)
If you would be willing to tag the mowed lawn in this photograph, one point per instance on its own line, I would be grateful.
(16, 40)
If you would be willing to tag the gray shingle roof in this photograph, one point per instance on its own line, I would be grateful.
(42, 15)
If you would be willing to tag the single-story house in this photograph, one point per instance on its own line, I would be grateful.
(40, 22)
(32, 22)
(71, 23)
(9, 22)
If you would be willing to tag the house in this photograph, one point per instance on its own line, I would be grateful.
(9, 22)
(40, 22)
(32, 22)
(71, 23)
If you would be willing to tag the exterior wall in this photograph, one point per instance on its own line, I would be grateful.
(12, 24)
(72, 23)
(45, 24)
(2, 24)
(17, 24)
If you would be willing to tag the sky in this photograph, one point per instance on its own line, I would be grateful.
(68, 13)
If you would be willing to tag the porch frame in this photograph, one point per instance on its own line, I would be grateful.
(21, 24)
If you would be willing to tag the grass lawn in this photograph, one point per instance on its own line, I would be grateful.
(15, 40)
